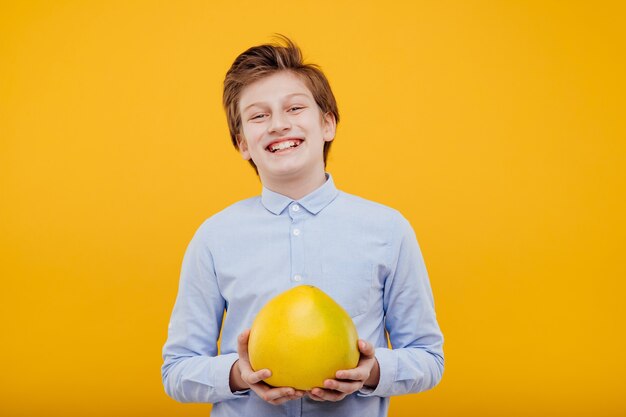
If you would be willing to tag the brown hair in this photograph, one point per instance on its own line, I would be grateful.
(264, 60)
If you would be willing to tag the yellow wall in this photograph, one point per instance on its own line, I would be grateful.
(497, 128)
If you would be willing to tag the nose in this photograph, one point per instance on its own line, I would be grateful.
(279, 123)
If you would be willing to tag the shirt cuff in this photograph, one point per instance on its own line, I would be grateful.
(223, 365)
(388, 368)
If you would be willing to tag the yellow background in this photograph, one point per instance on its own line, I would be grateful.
(496, 127)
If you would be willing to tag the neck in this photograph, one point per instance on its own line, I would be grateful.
(295, 188)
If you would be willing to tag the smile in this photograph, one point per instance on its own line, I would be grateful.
(283, 144)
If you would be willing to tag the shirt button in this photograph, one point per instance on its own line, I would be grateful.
(296, 232)
(297, 278)
(295, 207)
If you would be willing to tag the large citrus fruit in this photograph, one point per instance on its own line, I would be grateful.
(304, 337)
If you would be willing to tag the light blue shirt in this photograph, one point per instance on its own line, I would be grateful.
(363, 254)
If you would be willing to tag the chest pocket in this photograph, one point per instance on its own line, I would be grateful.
(349, 284)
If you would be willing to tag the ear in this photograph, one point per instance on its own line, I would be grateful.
(329, 127)
(243, 147)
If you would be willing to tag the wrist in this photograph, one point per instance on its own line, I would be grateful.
(374, 378)
(235, 381)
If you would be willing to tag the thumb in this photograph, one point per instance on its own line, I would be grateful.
(242, 345)
(366, 348)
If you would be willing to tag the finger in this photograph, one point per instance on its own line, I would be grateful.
(296, 396)
(346, 387)
(314, 397)
(366, 348)
(356, 374)
(280, 401)
(252, 377)
(360, 373)
(244, 367)
(277, 394)
(242, 345)
(328, 395)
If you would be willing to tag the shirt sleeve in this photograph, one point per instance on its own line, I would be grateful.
(415, 362)
(192, 370)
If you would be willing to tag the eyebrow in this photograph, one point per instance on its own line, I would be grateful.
(262, 102)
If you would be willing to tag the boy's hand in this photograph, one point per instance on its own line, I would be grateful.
(366, 373)
(242, 376)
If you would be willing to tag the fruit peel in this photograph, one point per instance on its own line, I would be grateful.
(304, 337)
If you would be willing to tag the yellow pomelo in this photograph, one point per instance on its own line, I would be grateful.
(304, 337)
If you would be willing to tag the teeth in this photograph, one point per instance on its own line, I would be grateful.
(283, 145)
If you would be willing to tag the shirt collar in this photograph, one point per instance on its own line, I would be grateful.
(313, 202)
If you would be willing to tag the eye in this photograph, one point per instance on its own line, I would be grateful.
(295, 108)
(258, 116)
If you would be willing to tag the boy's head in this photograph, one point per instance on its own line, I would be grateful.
(262, 61)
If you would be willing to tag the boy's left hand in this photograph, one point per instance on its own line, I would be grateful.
(366, 373)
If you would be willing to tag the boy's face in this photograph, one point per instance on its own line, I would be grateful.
(282, 129)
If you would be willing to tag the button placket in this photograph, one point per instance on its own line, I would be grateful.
(297, 244)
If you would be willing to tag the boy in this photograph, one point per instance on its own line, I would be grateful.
(282, 117)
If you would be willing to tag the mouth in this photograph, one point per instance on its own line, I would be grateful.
(282, 145)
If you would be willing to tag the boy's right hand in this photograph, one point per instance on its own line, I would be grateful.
(242, 376)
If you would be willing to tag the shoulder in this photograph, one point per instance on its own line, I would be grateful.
(229, 216)
(371, 217)
(364, 208)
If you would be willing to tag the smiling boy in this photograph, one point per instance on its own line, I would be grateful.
(283, 132)
(282, 118)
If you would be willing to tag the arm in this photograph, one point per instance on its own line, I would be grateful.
(416, 362)
(192, 371)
